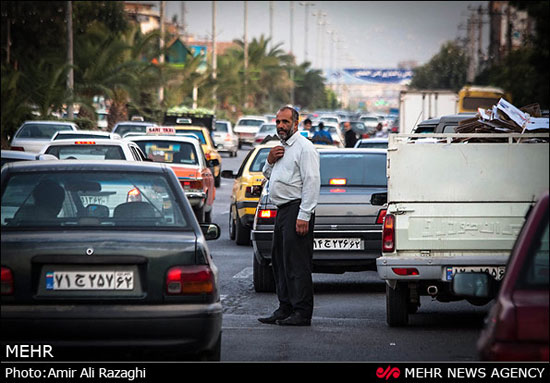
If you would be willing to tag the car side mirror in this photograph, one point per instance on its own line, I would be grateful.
(476, 285)
(379, 199)
(228, 174)
(211, 231)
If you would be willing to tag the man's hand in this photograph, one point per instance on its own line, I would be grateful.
(302, 227)
(275, 153)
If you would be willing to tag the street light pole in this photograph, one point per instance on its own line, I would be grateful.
(291, 50)
(306, 4)
(214, 58)
(70, 60)
(245, 52)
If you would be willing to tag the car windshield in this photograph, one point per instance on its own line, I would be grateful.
(197, 133)
(373, 145)
(369, 119)
(91, 199)
(127, 128)
(169, 151)
(41, 130)
(358, 169)
(221, 127)
(86, 152)
(259, 161)
(250, 122)
(268, 128)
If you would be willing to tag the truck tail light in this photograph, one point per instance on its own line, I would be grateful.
(405, 271)
(227, 137)
(18, 148)
(7, 281)
(388, 234)
(381, 215)
(190, 280)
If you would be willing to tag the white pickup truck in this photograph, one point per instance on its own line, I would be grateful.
(454, 207)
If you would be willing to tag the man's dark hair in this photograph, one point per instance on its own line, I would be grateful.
(307, 121)
(295, 114)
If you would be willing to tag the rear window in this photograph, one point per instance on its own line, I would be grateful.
(359, 169)
(90, 199)
(197, 133)
(259, 161)
(123, 129)
(267, 128)
(221, 127)
(373, 145)
(169, 151)
(250, 122)
(45, 131)
(86, 152)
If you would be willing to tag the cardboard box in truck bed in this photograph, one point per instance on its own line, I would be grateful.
(454, 207)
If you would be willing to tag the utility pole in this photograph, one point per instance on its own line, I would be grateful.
(161, 58)
(183, 12)
(271, 24)
(306, 4)
(70, 59)
(471, 50)
(245, 53)
(319, 23)
(214, 58)
(291, 50)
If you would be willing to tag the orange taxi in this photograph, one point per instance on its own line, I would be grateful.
(185, 156)
(208, 146)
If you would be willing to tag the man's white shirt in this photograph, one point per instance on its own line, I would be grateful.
(296, 175)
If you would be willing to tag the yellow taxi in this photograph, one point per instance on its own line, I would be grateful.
(247, 189)
(208, 147)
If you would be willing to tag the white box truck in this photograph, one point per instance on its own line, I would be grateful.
(420, 105)
(454, 207)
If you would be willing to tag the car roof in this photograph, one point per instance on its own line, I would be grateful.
(346, 151)
(56, 122)
(98, 141)
(100, 133)
(378, 139)
(252, 118)
(456, 117)
(175, 138)
(88, 165)
(135, 123)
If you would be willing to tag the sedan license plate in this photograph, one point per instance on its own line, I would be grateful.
(496, 272)
(338, 244)
(90, 280)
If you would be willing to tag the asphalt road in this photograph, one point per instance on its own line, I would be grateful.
(349, 318)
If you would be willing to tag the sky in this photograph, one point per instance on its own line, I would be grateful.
(370, 34)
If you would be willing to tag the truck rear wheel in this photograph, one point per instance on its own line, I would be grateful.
(396, 305)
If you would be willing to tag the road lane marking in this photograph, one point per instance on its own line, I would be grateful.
(244, 273)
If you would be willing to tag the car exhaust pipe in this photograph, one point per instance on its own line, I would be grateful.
(432, 290)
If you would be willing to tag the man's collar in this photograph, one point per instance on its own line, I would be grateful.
(292, 138)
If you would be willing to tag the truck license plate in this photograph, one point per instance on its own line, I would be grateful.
(90, 280)
(338, 244)
(496, 272)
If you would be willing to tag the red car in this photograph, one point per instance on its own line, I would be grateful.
(516, 328)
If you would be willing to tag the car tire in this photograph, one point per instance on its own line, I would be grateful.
(397, 305)
(231, 224)
(264, 281)
(242, 233)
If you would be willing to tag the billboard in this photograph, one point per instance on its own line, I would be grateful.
(369, 76)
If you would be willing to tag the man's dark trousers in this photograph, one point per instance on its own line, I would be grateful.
(291, 257)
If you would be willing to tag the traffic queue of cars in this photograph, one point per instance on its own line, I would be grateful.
(159, 192)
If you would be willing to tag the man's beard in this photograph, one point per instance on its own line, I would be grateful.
(288, 134)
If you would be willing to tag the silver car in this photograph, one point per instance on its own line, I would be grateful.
(224, 138)
(32, 136)
(348, 216)
(268, 129)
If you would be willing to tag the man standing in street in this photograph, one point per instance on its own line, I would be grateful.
(350, 136)
(292, 169)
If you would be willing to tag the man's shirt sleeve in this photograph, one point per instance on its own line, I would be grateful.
(311, 182)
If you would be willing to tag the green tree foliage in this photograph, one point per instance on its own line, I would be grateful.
(446, 70)
(310, 88)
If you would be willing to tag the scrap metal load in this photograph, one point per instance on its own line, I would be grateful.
(504, 118)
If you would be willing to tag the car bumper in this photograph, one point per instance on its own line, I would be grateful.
(196, 199)
(432, 267)
(327, 260)
(190, 327)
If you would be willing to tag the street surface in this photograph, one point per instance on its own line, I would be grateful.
(349, 317)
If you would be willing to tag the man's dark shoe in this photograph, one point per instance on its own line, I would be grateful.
(294, 320)
(274, 317)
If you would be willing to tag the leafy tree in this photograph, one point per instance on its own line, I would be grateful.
(310, 87)
(446, 70)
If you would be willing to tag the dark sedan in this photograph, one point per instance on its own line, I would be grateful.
(348, 228)
(106, 254)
